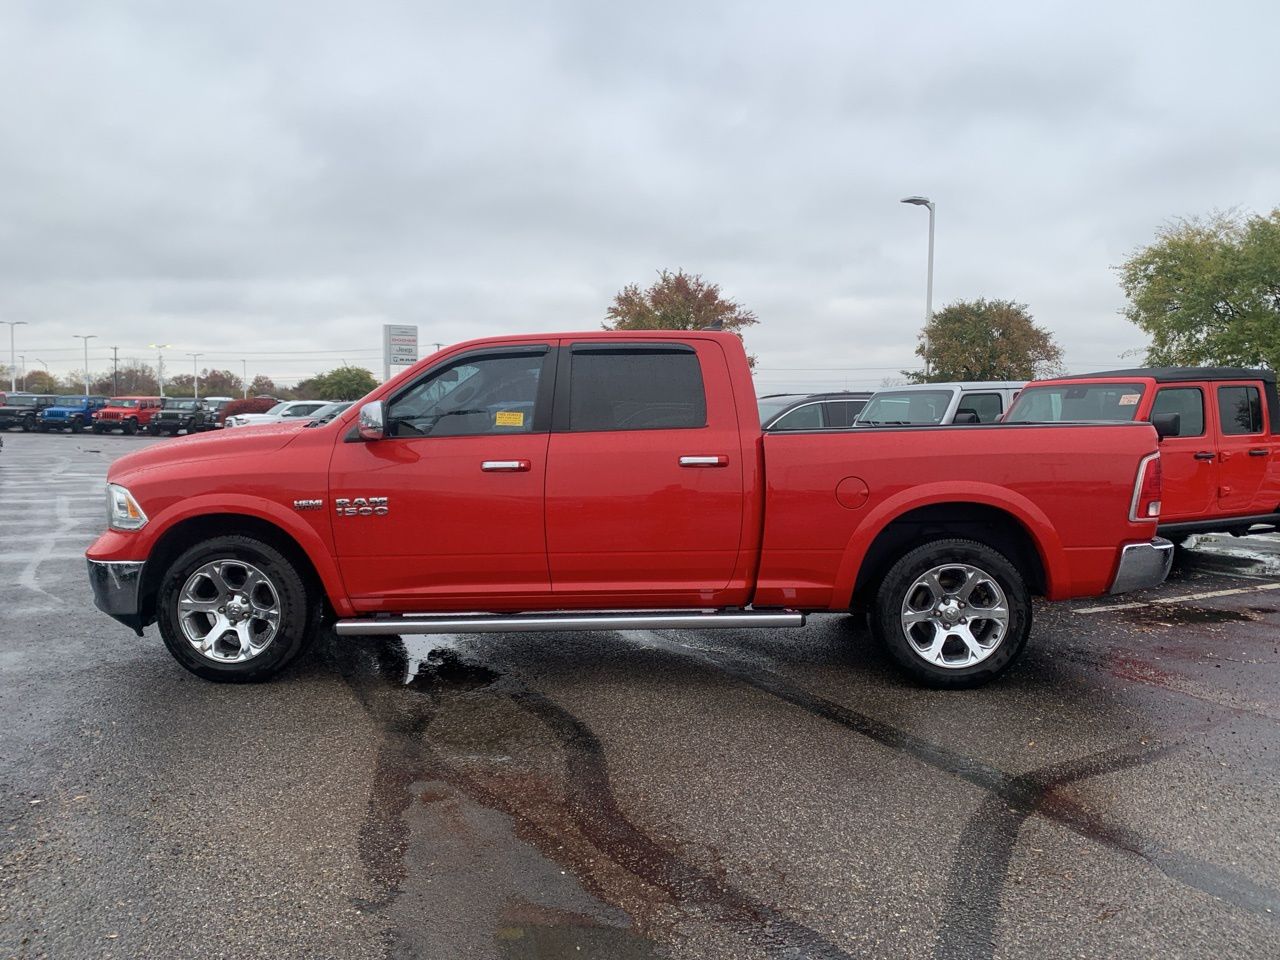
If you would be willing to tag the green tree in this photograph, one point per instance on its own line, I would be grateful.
(263, 386)
(1207, 291)
(341, 383)
(985, 340)
(220, 383)
(677, 301)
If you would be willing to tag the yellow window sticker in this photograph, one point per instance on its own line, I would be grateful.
(1126, 399)
(508, 418)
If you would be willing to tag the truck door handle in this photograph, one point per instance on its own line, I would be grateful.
(505, 466)
(720, 461)
(1259, 452)
(1204, 455)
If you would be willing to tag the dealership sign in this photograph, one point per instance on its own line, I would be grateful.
(399, 348)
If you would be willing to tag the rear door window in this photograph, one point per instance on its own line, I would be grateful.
(1239, 410)
(806, 417)
(1188, 403)
(839, 414)
(643, 387)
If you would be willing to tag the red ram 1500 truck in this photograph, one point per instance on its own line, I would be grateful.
(1220, 429)
(598, 481)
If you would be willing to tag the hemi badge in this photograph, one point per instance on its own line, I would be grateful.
(308, 504)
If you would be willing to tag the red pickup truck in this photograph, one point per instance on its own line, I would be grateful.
(1220, 429)
(606, 481)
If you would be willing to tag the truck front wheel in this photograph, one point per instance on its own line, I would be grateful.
(234, 610)
(953, 613)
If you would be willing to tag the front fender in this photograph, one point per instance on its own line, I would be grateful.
(1043, 534)
(116, 545)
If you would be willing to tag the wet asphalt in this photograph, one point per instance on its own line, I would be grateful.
(780, 794)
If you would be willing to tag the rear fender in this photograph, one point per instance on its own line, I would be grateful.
(1033, 519)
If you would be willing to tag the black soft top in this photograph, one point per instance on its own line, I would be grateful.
(1181, 374)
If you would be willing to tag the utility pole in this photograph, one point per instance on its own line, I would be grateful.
(195, 373)
(13, 367)
(115, 370)
(86, 338)
(160, 349)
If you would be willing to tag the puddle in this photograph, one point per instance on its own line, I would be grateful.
(437, 659)
(1171, 615)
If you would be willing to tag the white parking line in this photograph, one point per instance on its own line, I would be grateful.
(1184, 599)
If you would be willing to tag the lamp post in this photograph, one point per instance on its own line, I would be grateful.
(195, 373)
(86, 338)
(22, 362)
(160, 348)
(244, 378)
(928, 308)
(13, 368)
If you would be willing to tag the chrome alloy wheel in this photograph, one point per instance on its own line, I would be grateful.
(955, 615)
(229, 611)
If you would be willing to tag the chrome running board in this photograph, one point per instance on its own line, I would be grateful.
(568, 621)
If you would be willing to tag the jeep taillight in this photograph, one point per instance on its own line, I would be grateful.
(1147, 490)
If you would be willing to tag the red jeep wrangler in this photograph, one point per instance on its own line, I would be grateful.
(1221, 437)
(128, 414)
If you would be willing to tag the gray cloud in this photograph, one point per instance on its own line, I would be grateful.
(251, 178)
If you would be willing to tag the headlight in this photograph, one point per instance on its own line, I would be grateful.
(123, 512)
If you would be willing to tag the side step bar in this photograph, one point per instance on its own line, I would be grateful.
(569, 621)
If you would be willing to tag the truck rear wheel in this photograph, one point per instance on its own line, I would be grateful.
(234, 610)
(953, 613)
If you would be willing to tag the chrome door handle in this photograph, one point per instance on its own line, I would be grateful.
(720, 461)
(505, 466)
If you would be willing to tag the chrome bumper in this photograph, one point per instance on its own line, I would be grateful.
(116, 590)
(1143, 565)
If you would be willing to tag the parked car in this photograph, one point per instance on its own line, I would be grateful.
(214, 407)
(180, 413)
(71, 412)
(127, 414)
(811, 411)
(288, 410)
(614, 481)
(935, 404)
(23, 410)
(1221, 426)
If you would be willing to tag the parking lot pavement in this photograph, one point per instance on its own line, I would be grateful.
(626, 795)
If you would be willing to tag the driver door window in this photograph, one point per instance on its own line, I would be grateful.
(476, 396)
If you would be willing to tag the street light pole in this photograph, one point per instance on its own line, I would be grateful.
(86, 338)
(244, 378)
(195, 373)
(928, 304)
(13, 368)
(160, 348)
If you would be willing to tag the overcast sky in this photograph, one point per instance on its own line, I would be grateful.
(275, 181)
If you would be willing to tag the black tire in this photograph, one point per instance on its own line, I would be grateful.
(77, 425)
(99, 429)
(153, 430)
(298, 618)
(28, 424)
(129, 427)
(42, 428)
(887, 613)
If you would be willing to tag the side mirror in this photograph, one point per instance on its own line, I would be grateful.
(965, 416)
(1167, 424)
(373, 421)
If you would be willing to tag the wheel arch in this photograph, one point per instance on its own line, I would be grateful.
(1018, 530)
(183, 533)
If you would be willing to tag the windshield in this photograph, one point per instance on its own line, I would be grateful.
(1068, 402)
(328, 412)
(772, 406)
(180, 404)
(278, 409)
(122, 402)
(21, 401)
(69, 401)
(906, 406)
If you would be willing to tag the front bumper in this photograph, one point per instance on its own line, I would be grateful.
(1143, 565)
(117, 590)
